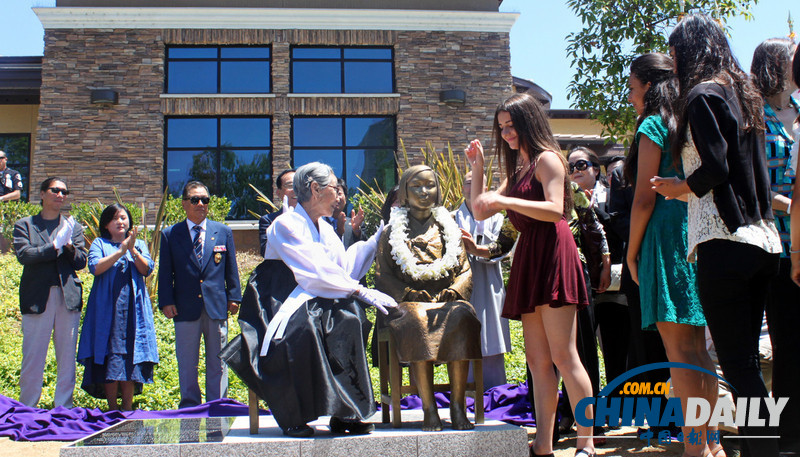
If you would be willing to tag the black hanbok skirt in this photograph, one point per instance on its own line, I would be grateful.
(319, 367)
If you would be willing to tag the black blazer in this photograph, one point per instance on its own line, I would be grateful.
(43, 267)
(734, 161)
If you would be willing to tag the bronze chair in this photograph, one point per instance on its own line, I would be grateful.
(393, 389)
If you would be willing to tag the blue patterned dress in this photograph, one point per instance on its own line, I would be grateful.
(667, 283)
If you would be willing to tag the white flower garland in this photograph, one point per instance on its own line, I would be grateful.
(401, 254)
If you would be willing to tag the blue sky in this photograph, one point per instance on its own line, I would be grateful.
(537, 39)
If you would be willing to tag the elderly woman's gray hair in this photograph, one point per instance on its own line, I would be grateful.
(312, 172)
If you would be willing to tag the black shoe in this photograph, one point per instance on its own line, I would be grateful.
(352, 427)
(299, 431)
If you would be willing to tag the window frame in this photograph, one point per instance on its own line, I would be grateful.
(341, 60)
(218, 148)
(343, 147)
(219, 61)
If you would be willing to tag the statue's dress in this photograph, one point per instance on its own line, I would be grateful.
(437, 332)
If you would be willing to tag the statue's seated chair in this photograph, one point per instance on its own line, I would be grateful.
(392, 387)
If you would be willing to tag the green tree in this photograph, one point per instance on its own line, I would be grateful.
(615, 32)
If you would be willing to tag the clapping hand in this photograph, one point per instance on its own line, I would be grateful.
(64, 234)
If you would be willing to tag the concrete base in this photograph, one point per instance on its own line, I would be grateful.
(230, 437)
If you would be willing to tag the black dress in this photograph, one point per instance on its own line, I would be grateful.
(319, 367)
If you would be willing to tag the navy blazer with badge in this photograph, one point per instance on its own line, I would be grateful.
(190, 285)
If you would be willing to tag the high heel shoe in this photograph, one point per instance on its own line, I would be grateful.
(585, 453)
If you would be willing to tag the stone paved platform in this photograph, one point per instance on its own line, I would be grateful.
(229, 436)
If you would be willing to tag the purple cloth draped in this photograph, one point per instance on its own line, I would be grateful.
(506, 403)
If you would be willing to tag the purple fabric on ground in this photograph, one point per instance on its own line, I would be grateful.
(20, 422)
(508, 403)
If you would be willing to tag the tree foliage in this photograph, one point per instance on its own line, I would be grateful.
(614, 33)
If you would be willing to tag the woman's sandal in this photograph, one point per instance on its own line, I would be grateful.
(585, 453)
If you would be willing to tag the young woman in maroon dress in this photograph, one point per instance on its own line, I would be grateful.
(546, 285)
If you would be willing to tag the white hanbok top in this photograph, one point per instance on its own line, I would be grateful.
(488, 293)
(318, 259)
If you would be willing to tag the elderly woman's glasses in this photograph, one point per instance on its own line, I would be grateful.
(580, 165)
(196, 200)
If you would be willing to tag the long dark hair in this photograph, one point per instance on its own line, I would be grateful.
(772, 61)
(702, 54)
(108, 215)
(656, 69)
(535, 137)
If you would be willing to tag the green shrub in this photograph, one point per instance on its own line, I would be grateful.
(11, 212)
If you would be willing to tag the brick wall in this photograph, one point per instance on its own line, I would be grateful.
(95, 148)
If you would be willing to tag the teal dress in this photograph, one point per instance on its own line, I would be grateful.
(667, 281)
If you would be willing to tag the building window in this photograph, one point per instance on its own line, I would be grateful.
(218, 70)
(342, 70)
(17, 147)
(225, 153)
(355, 147)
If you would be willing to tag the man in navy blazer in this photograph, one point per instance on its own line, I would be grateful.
(198, 284)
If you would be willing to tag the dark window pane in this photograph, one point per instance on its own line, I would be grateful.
(370, 131)
(318, 131)
(316, 77)
(191, 133)
(332, 157)
(245, 132)
(239, 169)
(191, 53)
(367, 53)
(192, 78)
(18, 150)
(371, 165)
(183, 166)
(368, 77)
(245, 78)
(316, 53)
(245, 53)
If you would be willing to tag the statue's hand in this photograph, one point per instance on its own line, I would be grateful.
(446, 296)
(419, 296)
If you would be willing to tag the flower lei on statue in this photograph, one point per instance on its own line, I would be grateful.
(401, 254)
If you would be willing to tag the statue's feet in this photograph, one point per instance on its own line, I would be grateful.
(431, 421)
(458, 417)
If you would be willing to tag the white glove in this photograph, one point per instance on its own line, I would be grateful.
(64, 234)
(377, 235)
(377, 299)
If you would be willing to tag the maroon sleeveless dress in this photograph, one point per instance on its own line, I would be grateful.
(546, 269)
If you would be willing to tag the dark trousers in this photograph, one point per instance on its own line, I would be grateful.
(646, 346)
(614, 323)
(783, 318)
(732, 281)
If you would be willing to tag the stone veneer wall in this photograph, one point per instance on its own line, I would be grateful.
(95, 148)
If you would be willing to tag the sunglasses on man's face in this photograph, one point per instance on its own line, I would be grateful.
(196, 200)
(59, 190)
(580, 165)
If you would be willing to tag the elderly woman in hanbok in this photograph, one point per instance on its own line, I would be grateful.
(422, 263)
(304, 329)
(118, 339)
